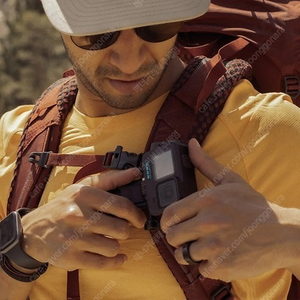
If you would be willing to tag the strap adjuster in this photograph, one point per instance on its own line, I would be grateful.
(223, 292)
(292, 86)
(39, 158)
(121, 160)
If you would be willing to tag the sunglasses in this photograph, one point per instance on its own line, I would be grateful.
(151, 34)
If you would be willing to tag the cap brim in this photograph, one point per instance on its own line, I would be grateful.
(82, 17)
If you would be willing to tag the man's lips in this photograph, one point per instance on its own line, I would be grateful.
(126, 86)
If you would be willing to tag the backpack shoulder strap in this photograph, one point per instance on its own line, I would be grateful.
(187, 108)
(42, 132)
(187, 114)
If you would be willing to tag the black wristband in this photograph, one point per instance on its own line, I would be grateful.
(11, 271)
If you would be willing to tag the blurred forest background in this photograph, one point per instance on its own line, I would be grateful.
(31, 53)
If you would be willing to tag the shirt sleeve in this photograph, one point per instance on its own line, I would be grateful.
(268, 140)
(11, 128)
(258, 136)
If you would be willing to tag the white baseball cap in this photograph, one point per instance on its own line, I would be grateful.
(88, 17)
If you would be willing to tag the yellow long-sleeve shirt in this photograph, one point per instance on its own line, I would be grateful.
(256, 135)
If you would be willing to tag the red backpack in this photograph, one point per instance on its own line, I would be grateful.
(272, 29)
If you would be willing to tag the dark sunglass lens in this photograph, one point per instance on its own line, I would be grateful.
(96, 42)
(158, 33)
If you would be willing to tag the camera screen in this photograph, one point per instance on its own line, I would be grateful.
(163, 165)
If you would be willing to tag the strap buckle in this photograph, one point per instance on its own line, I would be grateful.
(221, 293)
(292, 86)
(39, 158)
(121, 160)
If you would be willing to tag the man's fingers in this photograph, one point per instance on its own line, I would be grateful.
(110, 180)
(94, 261)
(210, 168)
(114, 205)
(179, 211)
(96, 187)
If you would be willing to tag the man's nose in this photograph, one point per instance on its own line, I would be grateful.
(128, 53)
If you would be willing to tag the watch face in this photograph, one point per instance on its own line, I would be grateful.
(9, 232)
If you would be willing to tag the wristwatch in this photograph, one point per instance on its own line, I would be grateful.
(11, 236)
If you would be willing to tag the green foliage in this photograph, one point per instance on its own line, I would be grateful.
(30, 5)
(32, 58)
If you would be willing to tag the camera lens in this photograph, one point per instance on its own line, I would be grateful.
(167, 193)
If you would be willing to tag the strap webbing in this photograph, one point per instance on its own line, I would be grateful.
(50, 159)
(73, 292)
(294, 292)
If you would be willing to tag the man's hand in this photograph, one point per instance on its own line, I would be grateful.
(81, 228)
(237, 233)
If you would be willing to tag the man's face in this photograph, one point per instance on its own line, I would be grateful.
(123, 75)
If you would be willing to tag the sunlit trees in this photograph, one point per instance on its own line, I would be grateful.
(32, 56)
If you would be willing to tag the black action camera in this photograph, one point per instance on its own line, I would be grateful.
(168, 176)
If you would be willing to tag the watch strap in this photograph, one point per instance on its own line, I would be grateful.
(22, 259)
(11, 271)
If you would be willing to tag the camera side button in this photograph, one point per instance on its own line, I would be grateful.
(186, 161)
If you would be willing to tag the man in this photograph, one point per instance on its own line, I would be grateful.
(233, 232)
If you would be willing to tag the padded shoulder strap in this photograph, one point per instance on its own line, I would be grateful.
(185, 114)
(42, 133)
